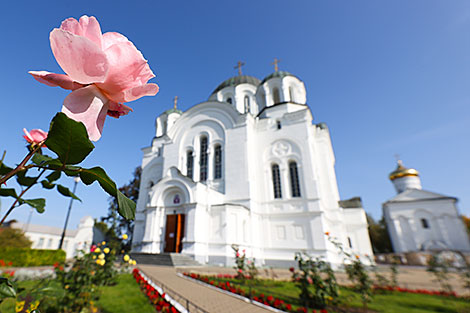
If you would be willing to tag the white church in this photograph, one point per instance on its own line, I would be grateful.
(246, 167)
(421, 220)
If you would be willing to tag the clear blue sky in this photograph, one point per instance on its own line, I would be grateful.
(388, 77)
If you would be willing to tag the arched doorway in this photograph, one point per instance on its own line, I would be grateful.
(175, 221)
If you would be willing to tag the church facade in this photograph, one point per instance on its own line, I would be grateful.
(420, 220)
(246, 167)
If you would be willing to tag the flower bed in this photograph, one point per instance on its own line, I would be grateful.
(267, 300)
(158, 298)
(418, 291)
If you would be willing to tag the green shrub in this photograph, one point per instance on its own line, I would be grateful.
(31, 257)
(13, 237)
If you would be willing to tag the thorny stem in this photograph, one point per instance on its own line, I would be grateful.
(21, 166)
(21, 194)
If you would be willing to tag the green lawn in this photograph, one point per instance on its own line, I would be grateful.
(390, 302)
(124, 297)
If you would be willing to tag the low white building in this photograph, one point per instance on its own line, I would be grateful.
(247, 167)
(420, 220)
(48, 237)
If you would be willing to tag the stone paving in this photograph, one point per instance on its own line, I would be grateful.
(212, 301)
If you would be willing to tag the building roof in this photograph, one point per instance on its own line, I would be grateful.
(279, 74)
(42, 229)
(414, 195)
(237, 80)
(173, 110)
(355, 202)
(402, 171)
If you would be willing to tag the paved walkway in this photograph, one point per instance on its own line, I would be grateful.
(210, 300)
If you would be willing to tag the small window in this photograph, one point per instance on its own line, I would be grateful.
(189, 164)
(49, 244)
(294, 179)
(278, 124)
(41, 242)
(203, 159)
(276, 181)
(424, 223)
(276, 96)
(218, 162)
(229, 100)
(350, 242)
(247, 104)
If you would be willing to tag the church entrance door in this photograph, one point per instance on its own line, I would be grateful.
(174, 232)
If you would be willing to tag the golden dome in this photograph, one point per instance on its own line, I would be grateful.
(402, 171)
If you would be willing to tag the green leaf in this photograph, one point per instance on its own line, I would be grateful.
(47, 185)
(6, 289)
(66, 192)
(68, 139)
(40, 159)
(8, 192)
(126, 206)
(4, 169)
(38, 204)
(53, 176)
(24, 180)
(90, 175)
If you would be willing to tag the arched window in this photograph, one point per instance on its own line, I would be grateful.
(247, 104)
(294, 179)
(203, 160)
(424, 223)
(276, 96)
(217, 162)
(229, 100)
(291, 94)
(189, 164)
(276, 181)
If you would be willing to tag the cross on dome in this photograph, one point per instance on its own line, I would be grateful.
(276, 64)
(175, 101)
(239, 66)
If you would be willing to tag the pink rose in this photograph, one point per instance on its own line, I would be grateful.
(103, 71)
(34, 136)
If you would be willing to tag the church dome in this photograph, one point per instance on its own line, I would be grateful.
(402, 171)
(279, 74)
(237, 80)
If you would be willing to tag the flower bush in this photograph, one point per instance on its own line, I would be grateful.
(316, 282)
(103, 71)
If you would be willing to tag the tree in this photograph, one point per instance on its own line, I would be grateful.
(379, 236)
(13, 238)
(117, 225)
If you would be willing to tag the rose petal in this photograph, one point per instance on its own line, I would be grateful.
(87, 27)
(80, 58)
(139, 92)
(53, 80)
(27, 135)
(89, 106)
(127, 69)
(111, 38)
(117, 110)
(38, 135)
